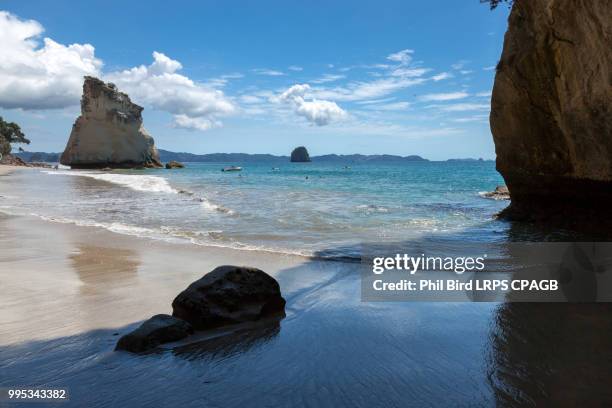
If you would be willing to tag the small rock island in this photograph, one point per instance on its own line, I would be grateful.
(109, 132)
(300, 155)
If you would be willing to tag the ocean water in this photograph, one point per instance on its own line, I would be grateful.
(299, 208)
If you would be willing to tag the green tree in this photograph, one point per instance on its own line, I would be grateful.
(10, 132)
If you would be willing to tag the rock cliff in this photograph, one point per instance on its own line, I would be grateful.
(109, 132)
(551, 109)
(300, 155)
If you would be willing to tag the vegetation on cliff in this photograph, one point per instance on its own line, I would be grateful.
(10, 132)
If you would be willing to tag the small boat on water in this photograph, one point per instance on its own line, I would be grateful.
(232, 168)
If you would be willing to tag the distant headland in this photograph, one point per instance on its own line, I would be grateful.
(166, 156)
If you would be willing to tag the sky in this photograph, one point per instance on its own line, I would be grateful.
(384, 77)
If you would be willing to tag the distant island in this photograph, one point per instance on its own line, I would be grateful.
(300, 155)
(166, 156)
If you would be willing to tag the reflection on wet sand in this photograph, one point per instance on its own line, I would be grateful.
(552, 354)
(102, 267)
(232, 343)
(555, 354)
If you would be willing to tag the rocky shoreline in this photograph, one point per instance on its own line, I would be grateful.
(11, 160)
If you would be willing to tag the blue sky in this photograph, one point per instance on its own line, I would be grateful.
(398, 77)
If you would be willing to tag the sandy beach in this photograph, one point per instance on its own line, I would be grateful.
(71, 279)
(5, 170)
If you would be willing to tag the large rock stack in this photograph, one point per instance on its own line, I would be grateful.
(109, 132)
(551, 114)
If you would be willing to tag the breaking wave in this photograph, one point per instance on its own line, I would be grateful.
(136, 182)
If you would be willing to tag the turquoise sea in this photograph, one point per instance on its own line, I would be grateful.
(300, 208)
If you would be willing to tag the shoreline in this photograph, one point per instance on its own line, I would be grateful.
(6, 169)
(106, 276)
(183, 241)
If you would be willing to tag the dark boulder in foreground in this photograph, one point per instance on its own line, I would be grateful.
(159, 329)
(551, 111)
(172, 164)
(300, 155)
(229, 295)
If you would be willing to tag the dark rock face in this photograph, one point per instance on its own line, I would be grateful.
(551, 113)
(174, 165)
(159, 329)
(300, 155)
(109, 132)
(228, 295)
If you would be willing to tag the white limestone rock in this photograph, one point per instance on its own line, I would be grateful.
(109, 132)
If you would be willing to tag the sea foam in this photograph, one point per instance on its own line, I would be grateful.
(136, 182)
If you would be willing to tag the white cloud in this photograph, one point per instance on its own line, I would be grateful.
(474, 118)
(267, 72)
(235, 75)
(295, 68)
(449, 96)
(221, 81)
(250, 99)
(51, 77)
(486, 94)
(357, 91)
(391, 79)
(489, 68)
(35, 76)
(410, 72)
(382, 128)
(465, 71)
(462, 107)
(441, 76)
(403, 57)
(318, 112)
(459, 64)
(328, 78)
(394, 106)
(186, 122)
(194, 105)
(373, 101)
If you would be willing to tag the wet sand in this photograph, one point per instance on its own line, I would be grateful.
(6, 170)
(68, 292)
(60, 280)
